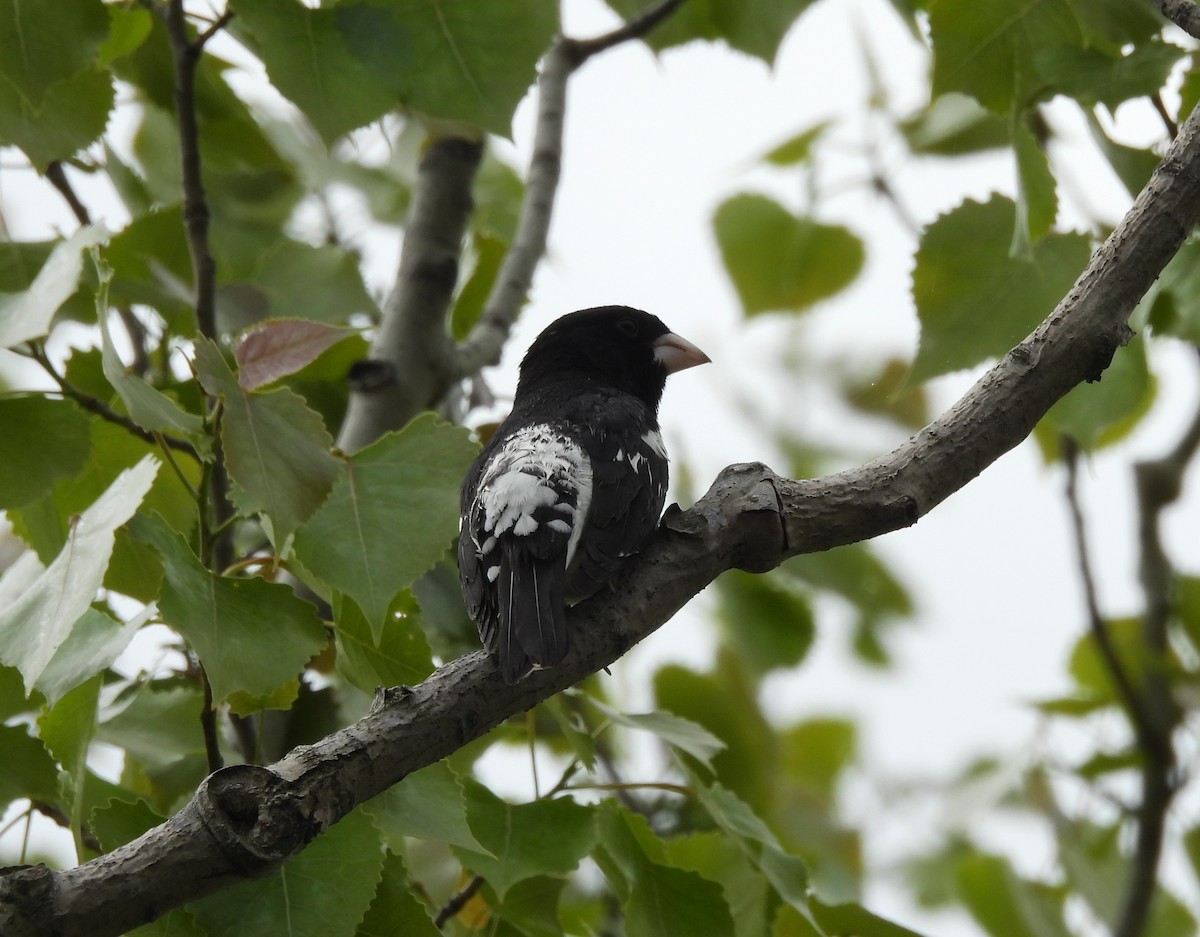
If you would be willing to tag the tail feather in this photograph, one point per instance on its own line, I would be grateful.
(533, 625)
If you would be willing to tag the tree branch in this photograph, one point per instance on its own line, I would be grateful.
(1159, 483)
(1096, 624)
(244, 821)
(1183, 13)
(410, 366)
(487, 338)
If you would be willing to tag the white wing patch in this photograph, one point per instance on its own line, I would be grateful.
(538, 468)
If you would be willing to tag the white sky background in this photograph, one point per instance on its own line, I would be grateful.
(653, 145)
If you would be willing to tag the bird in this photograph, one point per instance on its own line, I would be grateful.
(571, 484)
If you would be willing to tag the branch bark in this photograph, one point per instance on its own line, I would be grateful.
(245, 820)
(410, 365)
(1183, 13)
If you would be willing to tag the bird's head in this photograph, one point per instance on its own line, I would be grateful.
(616, 346)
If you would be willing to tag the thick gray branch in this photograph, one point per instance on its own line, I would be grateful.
(244, 821)
(1183, 13)
(484, 344)
(410, 366)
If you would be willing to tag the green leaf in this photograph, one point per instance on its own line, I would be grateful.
(1186, 596)
(724, 703)
(992, 51)
(657, 900)
(1037, 202)
(280, 347)
(121, 822)
(27, 315)
(974, 300)
(337, 90)
(95, 641)
(43, 44)
(252, 635)
(1103, 412)
(1174, 300)
(300, 281)
(817, 751)
(362, 59)
(546, 837)
(1092, 76)
(1095, 869)
(399, 655)
(29, 771)
(1088, 668)
(797, 149)
(322, 892)
(177, 922)
(451, 67)
(48, 523)
(67, 729)
(44, 440)
(855, 573)
(720, 859)
(128, 28)
(756, 27)
(532, 906)
(1133, 166)
(487, 254)
(276, 449)
(12, 694)
(1004, 904)
(680, 733)
(395, 909)
(786, 873)
(853, 920)
(158, 725)
(428, 804)
(39, 606)
(766, 619)
(779, 261)
(72, 115)
(148, 407)
(391, 515)
(954, 124)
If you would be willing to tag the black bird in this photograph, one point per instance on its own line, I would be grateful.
(571, 483)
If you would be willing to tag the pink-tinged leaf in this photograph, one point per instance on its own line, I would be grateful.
(282, 346)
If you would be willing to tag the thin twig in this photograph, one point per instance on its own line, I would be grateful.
(186, 55)
(487, 338)
(1164, 115)
(1159, 483)
(458, 901)
(680, 789)
(214, 27)
(1099, 630)
(208, 722)
(58, 178)
(1183, 13)
(633, 29)
(107, 413)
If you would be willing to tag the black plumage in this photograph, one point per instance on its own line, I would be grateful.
(571, 483)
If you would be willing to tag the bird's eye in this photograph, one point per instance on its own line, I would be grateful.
(627, 327)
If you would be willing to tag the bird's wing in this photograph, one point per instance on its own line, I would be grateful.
(628, 490)
(519, 526)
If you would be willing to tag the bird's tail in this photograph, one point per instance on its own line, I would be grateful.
(533, 625)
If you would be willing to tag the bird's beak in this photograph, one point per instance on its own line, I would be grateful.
(676, 353)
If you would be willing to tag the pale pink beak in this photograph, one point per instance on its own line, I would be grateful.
(676, 353)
